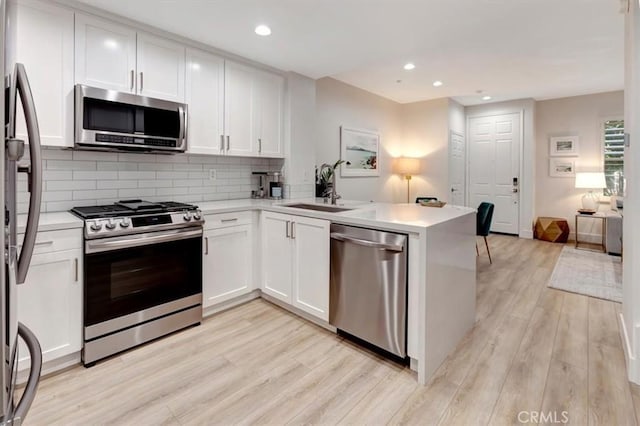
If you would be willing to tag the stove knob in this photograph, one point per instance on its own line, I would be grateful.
(125, 222)
(197, 215)
(111, 224)
(96, 226)
(187, 216)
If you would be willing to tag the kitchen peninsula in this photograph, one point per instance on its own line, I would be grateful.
(441, 267)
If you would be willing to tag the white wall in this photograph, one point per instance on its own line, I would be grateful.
(340, 104)
(631, 241)
(582, 116)
(425, 135)
(300, 136)
(527, 170)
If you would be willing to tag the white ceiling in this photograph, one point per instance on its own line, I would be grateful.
(509, 49)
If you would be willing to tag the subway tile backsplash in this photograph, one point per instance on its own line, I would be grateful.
(85, 178)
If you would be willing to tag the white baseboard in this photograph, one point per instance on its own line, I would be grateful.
(526, 233)
(230, 303)
(298, 312)
(52, 367)
(633, 369)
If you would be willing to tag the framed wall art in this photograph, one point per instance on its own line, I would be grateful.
(563, 146)
(562, 167)
(360, 151)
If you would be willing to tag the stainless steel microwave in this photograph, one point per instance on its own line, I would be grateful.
(111, 120)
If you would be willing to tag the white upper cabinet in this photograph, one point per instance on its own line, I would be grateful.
(205, 99)
(268, 113)
(238, 105)
(44, 44)
(105, 54)
(116, 57)
(161, 68)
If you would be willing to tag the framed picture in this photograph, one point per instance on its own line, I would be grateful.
(563, 146)
(360, 151)
(562, 167)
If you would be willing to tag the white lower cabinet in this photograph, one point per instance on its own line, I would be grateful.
(50, 300)
(227, 258)
(295, 261)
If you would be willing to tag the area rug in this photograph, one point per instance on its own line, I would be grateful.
(589, 273)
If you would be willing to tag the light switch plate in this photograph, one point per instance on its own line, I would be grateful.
(212, 174)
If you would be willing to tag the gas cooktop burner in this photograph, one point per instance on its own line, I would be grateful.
(136, 217)
(131, 208)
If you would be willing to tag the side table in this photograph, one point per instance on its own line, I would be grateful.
(600, 216)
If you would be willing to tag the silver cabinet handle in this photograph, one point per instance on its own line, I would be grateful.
(132, 79)
(228, 142)
(293, 230)
(206, 245)
(76, 268)
(35, 355)
(259, 145)
(221, 143)
(288, 223)
(366, 243)
(229, 220)
(34, 172)
(141, 81)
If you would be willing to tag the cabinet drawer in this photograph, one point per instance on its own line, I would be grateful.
(223, 220)
(52, 241)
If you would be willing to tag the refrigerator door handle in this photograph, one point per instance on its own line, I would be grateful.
(34, 174)
(35, 354)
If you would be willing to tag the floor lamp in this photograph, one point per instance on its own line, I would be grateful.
(407, 166)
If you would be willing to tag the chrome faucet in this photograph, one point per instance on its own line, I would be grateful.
(330, 194)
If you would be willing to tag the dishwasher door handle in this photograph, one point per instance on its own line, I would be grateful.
(366, 243)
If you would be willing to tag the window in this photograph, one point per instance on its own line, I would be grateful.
(614, 156)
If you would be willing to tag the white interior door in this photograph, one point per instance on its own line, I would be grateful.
(494, 168)
(457, 169)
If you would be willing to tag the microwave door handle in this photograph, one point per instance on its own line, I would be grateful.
(182, 117)
(35, 355)
(34, 172)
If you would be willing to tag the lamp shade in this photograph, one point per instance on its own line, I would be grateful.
(590, 180)
(406, 166)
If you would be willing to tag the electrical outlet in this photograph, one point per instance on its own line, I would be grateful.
(212, 174)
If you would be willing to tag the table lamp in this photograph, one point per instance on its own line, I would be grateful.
(590, 181)
(407, 166)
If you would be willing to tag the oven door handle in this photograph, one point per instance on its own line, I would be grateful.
(137, 240)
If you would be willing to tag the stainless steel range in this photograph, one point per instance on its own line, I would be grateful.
(142, 275)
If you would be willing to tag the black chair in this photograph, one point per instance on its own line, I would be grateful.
(426, 199)
(483, 224)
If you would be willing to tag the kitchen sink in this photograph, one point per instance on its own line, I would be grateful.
(318, 207)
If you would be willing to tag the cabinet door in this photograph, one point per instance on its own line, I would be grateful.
(50, 304)
(227, 264)
(205, 99)
(50, 69)
(276, 256)
(105, 54)
(238, 104)
(161, 68)
(268, 113)
(311, 266)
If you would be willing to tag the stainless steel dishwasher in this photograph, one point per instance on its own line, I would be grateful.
(368, 289)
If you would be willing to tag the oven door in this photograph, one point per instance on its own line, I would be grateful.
(133, 273)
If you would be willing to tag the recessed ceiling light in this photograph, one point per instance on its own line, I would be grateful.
(263, 30)
(486, 98)
(409, 66)
(437, 83)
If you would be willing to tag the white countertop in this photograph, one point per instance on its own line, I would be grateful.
(52, 221)
(400, 217)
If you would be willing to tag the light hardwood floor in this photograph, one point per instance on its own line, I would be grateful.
(532, 349)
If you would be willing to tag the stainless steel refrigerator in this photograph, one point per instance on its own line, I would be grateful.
(13, 409)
